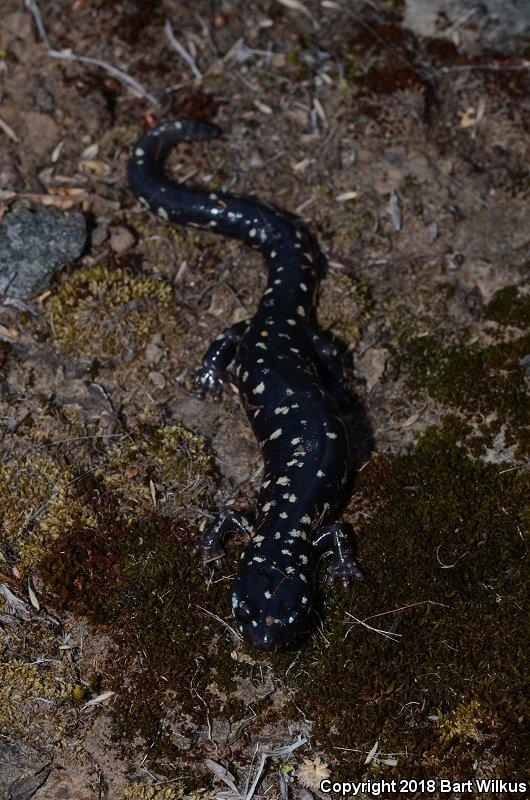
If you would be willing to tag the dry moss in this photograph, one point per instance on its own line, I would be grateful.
(154, 792)
(109, 314)
(22, 683)
(37, 506)
(166, 465)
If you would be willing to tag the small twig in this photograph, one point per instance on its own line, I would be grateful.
(485, 67)
(394, 637)
(69, 55)
(460, 21)
(8, 130)
(402, 608)
(449, 566)
(181, 50)
(219, 619)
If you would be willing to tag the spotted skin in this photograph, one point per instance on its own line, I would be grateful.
(290, 382)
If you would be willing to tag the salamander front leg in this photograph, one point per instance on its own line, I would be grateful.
(217, 533)
(344, 567)
(211, 378)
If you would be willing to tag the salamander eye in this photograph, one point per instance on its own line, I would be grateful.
(243, 612)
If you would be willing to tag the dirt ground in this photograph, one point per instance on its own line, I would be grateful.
(407, 154)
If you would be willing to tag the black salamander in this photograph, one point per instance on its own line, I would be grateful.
(290, 381)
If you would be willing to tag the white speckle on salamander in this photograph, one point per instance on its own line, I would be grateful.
(162, 213)
(276, 433)
(260, 388)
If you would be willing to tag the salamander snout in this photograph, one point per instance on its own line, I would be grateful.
(270, 619)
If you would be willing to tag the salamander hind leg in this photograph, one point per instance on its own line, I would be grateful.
(217, 533)
(212, 377)
(344, 567)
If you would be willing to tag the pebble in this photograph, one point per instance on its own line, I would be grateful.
(158, 379)
(121, 239)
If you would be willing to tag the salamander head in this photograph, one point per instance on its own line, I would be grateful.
(272, 606)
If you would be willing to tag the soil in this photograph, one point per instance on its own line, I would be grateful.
(406, 152)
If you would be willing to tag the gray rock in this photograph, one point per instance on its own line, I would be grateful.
(34, 244)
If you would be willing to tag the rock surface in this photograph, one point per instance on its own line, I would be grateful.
(34, 244)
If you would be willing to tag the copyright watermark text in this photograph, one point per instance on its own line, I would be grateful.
(382, 788)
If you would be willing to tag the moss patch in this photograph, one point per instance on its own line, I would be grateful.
(152, 470)
(134, 570)
(38, 504)
(22, 684)
(154, 792)
(487, 382)
(109, 314)
(509, 307)
(442, 540)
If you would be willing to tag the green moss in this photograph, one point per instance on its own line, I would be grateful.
(488, 382)
(109, 314)
(442, 543)
(508, 307)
